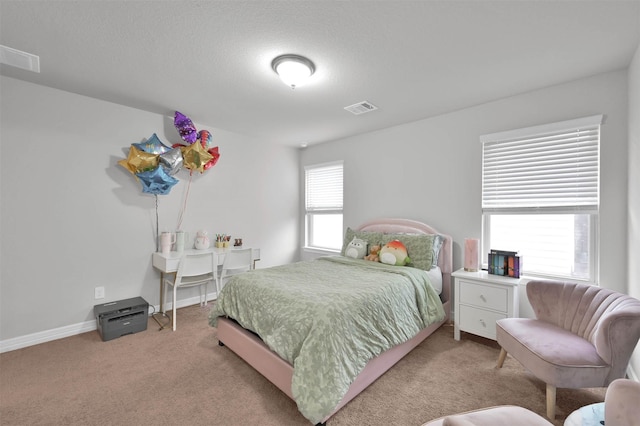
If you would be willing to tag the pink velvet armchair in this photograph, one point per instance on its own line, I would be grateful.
(582, 337)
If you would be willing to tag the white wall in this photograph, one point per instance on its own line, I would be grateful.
(72, 219)
(430, 170)
(633, 252)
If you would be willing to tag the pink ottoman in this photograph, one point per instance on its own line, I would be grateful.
(504, 415)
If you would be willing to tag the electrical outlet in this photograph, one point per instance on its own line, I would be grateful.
(99, 293)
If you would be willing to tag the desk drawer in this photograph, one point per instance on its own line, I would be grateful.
(483, 296)
(479, 321)
(166, 264)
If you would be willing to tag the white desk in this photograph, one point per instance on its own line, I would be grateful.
(168, 264)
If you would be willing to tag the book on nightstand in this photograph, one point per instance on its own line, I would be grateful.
(505, 263)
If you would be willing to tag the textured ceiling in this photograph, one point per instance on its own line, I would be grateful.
(412, 59)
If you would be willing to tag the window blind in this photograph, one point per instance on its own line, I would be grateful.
(553, 166)
(323, 187)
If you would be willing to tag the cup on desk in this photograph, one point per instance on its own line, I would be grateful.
(181, 237)
(166, 240)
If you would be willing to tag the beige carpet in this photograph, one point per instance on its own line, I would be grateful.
(185, 378)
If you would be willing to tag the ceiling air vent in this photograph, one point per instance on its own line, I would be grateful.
(361, 108)
(20, 59)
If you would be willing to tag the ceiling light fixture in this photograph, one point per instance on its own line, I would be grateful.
(293, 70)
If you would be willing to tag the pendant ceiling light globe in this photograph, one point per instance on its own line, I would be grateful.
(293, 70)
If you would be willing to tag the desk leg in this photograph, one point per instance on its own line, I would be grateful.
(216, 275)
(162, 310)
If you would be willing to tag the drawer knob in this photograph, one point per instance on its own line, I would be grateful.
(484, 324)
(484, 299)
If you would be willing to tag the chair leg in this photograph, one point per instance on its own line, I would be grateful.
(206, 286)
(174, 308)
(551, 401)
(501, 358)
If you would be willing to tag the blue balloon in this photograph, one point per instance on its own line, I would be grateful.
(156, 181)
(153, 145)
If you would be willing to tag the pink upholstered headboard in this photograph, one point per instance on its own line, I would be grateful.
(407, 226)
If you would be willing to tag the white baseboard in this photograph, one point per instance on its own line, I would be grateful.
(71, 330)
(46, 336)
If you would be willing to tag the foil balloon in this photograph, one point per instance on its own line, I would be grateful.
(215, 155)
(205, 139)
(156, 181)
(153, 145)
(139, 161)
(172, 161)
(195, 157)
(185, 127)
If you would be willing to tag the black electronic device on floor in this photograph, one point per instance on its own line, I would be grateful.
(115, 319)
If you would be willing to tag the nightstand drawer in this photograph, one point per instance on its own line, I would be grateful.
(479, 322)
(483, 296)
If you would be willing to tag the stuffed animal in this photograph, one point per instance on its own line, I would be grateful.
(394, 253)
(374, 253)
(357, 248)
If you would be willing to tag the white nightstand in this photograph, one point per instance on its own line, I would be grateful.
(481, 299)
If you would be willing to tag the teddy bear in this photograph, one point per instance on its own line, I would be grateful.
(373, 253)
(394, 253)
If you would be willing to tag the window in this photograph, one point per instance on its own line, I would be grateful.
(323, 200)
(540, 196)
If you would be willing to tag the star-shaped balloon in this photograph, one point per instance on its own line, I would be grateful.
(139, 161)
(156, 181)
(185, 127)
(215, 155)
(195, 157)
(153, 145)
(172, 161)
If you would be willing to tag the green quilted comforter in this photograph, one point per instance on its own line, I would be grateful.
(329, 317)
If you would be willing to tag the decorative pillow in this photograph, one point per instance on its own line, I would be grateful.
(419, 248)
(372, 238)
(394, 253)
(438, 240)
(357, 248)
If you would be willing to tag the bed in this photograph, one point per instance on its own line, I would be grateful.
(331, 369)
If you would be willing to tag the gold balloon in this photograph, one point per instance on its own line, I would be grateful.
(139, 161)
(195, 156)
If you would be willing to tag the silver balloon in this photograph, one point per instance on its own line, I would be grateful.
(172, 161)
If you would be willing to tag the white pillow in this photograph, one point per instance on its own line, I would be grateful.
(435, 276)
